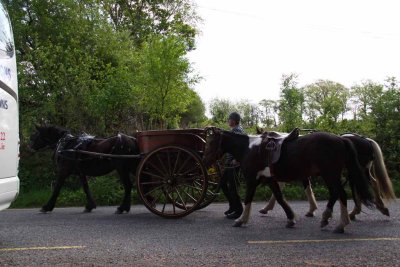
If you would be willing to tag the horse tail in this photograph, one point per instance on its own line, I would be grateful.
(380, 172)
(357, 177)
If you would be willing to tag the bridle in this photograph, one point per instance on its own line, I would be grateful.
(49, 143)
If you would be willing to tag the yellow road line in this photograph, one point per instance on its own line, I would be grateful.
(323, 240)
(41, 248)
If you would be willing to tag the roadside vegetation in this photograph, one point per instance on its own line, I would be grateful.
(102, 67)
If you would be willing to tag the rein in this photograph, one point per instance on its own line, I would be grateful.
(101, 155)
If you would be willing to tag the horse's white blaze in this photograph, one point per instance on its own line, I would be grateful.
(245, 215)
(266, 172)
(254, 141)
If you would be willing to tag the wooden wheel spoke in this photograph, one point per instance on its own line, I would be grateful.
(190, 170)
(184, 164)
(153, 175)
(152, 190)
(194, 187)
(162, 164)
(211, 192)
(152, 183)
(169, 163)
(156, 168)
(173, 200)
(197, 183)
(156, 198)
(190, 196)
(183, 202)
(176, 162)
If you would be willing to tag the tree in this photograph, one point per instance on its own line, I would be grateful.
(385, 112)
(250, 113)
(194, 116)
(291, 103)
(364, 96)
(270, 112)
(66, 51)
(164, 79)
(145, 18)
(220, 110)
(326, 102)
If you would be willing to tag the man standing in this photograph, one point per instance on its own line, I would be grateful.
(228, 181)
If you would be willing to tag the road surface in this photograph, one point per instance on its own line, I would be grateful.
(68, 237)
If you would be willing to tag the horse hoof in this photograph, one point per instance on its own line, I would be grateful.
(385, 211)
(290, 224)
(87, 210)
(263, 211)
(118, 211)
(45, 210)
(238, 224)
(324, 223)
(339, 230)
(352, 217)
(310, 214)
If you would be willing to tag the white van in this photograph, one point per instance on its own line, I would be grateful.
(9, 121)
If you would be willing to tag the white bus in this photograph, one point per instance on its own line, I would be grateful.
(9, 121)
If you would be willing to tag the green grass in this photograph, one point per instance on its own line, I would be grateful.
(107, 190)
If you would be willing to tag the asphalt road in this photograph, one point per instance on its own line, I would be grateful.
(68, 237)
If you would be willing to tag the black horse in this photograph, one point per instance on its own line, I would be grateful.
(370, 158)
(69, 162)
(316, 154)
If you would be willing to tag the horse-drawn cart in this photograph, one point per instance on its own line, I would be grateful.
(171, 178)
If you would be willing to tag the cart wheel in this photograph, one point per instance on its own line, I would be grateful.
(213, 187)
(172, 181)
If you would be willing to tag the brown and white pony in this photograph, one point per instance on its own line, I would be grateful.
(316, 154)
(371, 160)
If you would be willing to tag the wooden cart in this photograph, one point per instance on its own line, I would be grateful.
(171, 178)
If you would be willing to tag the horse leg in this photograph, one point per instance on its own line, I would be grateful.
(250, 191)
(333, 187)
(127, 184)
(279, 198)
(344, 215)
(380, 205)
(49, 206)
(310, 197)
(271, 203)
(90, 204)
(357, 205)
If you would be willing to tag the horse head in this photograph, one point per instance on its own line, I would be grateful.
(45, 136)
(213, 149)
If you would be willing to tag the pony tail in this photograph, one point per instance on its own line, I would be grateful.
(357, 177)
(380, 173)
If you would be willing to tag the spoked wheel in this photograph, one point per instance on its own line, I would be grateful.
(214, 176)
(172, 181)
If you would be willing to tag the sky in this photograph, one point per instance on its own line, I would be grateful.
(245, 46)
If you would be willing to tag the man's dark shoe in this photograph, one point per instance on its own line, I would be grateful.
(234, 215)
(229, 211)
